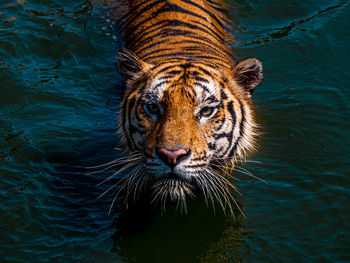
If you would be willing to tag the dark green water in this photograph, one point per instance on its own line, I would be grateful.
(59, 96)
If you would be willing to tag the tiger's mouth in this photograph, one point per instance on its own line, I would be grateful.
(173, 187)
(171, 176)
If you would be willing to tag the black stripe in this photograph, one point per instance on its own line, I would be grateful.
(233, 115)
(136, 12)
(211, 2)
(135, 38)
(223, 94)
(141, 82)
(205, 71)
(219, 49)
(177, 32)
(151, 45)
(124, 116)
(149, 97)
(160, 84)
(218, 7)
(213, 16)
(202, 50)
(211, 146)
(202, 28)
(137, 113)
(221, 124)
(178, 55)
(165, 77)
(227, 135)
(199, 158)
(133, 129)
(160, 37)
(211, 64)
(214, 64)
(197, 78)
(165, 8)
(175, 8)
(241, 125)
(217, 35)
(154, 52)
(211, 99)
(173, 72)
(165, 69)
(202, 86)
(129, 107)
(231, 110)
(220, 120)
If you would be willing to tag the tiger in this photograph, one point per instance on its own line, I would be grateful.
(186, 108)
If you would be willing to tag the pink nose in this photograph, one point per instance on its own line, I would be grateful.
(172, 157)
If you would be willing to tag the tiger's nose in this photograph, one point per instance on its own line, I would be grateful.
(172, 157)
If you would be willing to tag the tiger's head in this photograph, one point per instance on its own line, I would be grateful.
(183, 120)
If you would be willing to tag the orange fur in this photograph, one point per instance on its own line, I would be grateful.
(184, 90)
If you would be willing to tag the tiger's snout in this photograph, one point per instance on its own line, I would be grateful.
(172, 157)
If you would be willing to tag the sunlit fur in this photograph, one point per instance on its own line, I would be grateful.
(176, 57)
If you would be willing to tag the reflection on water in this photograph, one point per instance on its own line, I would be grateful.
(198, 236)
(59, 98)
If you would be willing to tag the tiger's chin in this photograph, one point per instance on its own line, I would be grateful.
(174, 188)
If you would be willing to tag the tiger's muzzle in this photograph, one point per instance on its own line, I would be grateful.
(172, 157)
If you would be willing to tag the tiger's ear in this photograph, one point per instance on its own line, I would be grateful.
(248, 74)
(128, 64)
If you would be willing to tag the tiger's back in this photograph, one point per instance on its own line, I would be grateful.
(178, 30)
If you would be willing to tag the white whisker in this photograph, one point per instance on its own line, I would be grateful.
(118, 160)
(117, 172)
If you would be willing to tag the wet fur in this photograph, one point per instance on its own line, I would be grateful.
(176, 56)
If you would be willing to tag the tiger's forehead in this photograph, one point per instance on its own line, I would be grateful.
(194, 81)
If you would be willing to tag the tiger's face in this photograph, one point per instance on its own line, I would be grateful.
(185, 119)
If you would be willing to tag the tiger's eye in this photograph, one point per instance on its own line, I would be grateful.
(152, 108)
(207, 111)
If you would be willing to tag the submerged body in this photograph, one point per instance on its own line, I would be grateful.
(187, 104)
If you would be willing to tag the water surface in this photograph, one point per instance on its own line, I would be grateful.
(59, 97)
